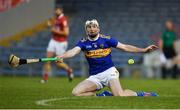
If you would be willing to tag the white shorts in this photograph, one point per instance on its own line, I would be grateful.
(102, 79)
(57, 47)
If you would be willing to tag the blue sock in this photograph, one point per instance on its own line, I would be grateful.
(105, 93)
(143, 94)
(140, 94)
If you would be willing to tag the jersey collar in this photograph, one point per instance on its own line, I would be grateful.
(60, 16)
(93, 39)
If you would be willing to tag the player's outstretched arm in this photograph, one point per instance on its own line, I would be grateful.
(130, 48)
(70, 53)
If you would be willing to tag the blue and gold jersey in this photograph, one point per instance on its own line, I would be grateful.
(98, 53)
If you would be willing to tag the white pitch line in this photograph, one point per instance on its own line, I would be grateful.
(45, 102)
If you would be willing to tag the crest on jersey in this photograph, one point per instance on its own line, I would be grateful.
(83, 39)
(104, 36)
(101, 45)
(95, 45)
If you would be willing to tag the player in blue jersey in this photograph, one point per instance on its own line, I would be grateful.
(97, 50)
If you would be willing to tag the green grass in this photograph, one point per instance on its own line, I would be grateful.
(24, 92)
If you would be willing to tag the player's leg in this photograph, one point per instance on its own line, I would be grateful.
(47, 67)
(176, 61)
(113, 83)
(67, 69)
(60, 49)
(175, 71)
(164, 72)
(85, 88)
(117, 90)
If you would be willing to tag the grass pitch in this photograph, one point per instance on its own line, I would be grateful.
(28, 92)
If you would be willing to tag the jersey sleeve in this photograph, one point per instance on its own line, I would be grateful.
(64, 22)
(112, 42)
(80, 44)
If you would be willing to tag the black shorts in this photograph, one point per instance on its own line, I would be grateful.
(169, 52)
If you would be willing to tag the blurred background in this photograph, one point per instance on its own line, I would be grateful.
(25, 33)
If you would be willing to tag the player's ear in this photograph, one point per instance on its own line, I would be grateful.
(86, 31)
(98, 29)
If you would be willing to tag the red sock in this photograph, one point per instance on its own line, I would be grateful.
(69, 71)
(45, 76)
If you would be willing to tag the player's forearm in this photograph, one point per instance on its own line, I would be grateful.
(130, 48)
(68, 54)
(71, 53)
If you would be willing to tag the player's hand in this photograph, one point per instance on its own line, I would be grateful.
(60, 59)
(49, 24)
(150, 48)
(53, 29)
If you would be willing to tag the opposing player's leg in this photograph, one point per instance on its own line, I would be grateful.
(47, 68)
(85, 88)
(60, 49)
(67, 69)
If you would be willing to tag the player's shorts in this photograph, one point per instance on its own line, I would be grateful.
(102, 79)
(57, 47)
(169, 52)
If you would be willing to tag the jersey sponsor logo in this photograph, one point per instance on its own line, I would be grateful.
(88, 46)
(98, 53)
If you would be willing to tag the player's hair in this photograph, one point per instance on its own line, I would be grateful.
(89, 22)
(59, 7)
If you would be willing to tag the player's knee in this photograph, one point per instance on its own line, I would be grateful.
(75, 92)
(59, 64)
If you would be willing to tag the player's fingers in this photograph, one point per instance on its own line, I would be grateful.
(155, 47)
(150, 49)
(59, 59)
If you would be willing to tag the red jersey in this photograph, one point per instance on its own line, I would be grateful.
(60, 24)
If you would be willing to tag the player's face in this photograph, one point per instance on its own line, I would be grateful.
(169, 25)
(92, 30)
(58, 11)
